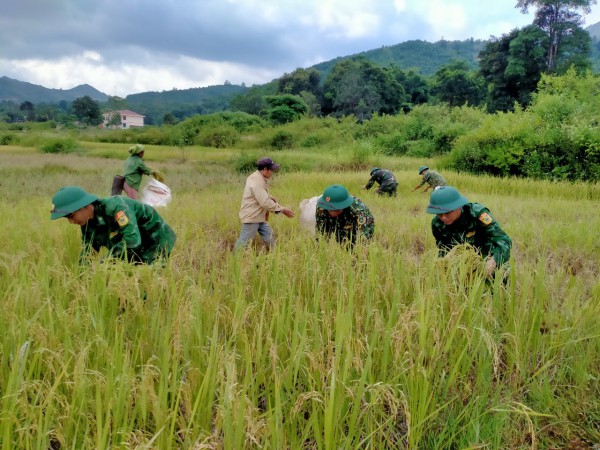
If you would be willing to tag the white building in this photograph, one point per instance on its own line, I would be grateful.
(129, 119)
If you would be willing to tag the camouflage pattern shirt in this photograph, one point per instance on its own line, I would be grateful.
(129, 229)
(384, 178)
(476, 227)
(135, 168)
(433, 178)
(355, 221)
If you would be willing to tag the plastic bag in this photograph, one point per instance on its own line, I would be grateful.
(308, 210)
(156, 194)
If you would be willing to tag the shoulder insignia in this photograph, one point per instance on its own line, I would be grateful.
(485, 218)
(122, 218)
(471, 233)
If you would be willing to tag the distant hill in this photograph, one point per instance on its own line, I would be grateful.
(183, 102)
(594, 30)
(421, 56)
(20, 91)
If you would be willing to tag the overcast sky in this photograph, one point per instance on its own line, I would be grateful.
(123, 47)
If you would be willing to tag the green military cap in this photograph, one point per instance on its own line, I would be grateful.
(374, 169)
(422, 168)
(68, 200)
(444, 199)
(335, 197)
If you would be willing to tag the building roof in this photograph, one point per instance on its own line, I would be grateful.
(125, 112)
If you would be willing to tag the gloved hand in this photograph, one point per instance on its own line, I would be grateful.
(158, 176)
(490, 267)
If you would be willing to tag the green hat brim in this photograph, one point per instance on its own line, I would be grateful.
(447, 207)
(73, 206)
(334, 206)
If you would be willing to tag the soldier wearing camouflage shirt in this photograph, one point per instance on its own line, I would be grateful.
(346, 217)
(128, 229)
(431, 177)
(386, 180)
(458, 222)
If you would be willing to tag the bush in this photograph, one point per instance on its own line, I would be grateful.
(220, 137)
(281, 140)
(311, 141)
(59, 145)
(8, 139)
(245, 163)
(421, 149)
(392, 144)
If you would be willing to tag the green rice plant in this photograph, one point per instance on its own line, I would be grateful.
(306, 346)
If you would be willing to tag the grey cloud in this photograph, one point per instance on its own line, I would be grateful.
(206, 30)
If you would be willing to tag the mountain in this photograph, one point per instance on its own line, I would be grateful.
(183, 102)
(594, 30)
(421, 56)
(20, 91)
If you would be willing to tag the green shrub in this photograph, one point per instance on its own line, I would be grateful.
(421, 148)
(375, 126)
(392, 144)
(8, 139)
(243, 122)
(245, 162)
(59, 145)
(281, 140)
(312, 140)
(220, 137)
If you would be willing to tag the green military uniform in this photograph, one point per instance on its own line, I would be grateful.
(129, 229)
(476, 227)
(433, 178)
(386, 180)
(135, 168)
(355, 221)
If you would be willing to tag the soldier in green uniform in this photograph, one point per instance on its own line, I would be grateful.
(135, 168)
(386, 180)
(431, 177)
(129, 229)
(343, 216)
(457, 222)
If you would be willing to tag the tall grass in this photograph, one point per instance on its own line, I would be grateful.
(308, 346)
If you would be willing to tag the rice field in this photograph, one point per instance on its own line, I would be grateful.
(307, 346)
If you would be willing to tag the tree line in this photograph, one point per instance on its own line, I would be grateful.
(510, 68)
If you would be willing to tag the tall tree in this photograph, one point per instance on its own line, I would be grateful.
(299, 80)
(29, 110)
(559, 19)
(87, 110)
(357, 86)
(285, 108)
(457, 85)
(512, 66)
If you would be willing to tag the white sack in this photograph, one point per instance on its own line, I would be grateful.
(156, 194)
(308, 210)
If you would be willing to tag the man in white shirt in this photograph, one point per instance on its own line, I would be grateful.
(257, 203)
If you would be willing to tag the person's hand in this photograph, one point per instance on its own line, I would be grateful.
(158, 176)
(490, 267)
(364, 187)
(287, 212)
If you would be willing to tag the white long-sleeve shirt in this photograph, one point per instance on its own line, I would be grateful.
(256, 201)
